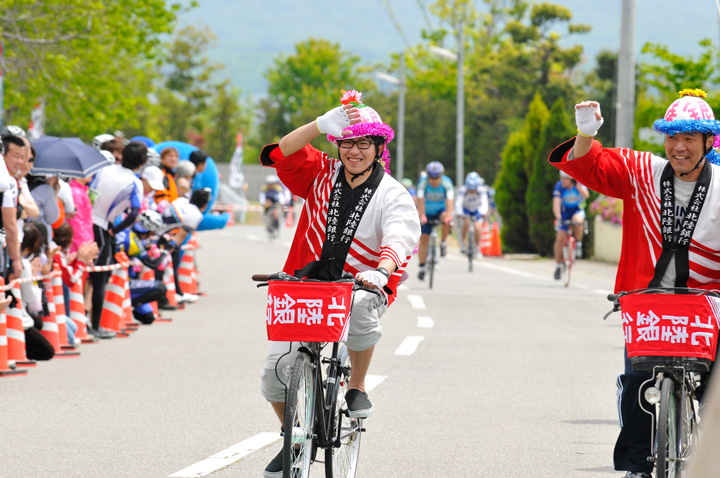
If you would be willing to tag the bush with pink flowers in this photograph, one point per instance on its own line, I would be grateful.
(608, 208)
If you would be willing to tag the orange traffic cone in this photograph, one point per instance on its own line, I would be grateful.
(485, 239)
(289, 218)
(5, 370)
(128, 324)
(16, 331)
(186, 272)
(60, 312)
(77, 313)
(113, 316)
(149, 274)
(169, 281)
(51, 329)
(231, 212)
(495, 249)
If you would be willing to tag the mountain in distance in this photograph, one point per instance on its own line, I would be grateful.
(251, 33)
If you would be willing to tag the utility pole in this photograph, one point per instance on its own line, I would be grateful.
(625, 107)
(400, 171)
(460, 120)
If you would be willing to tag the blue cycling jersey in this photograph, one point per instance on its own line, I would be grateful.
(435, 196)
(570, 199)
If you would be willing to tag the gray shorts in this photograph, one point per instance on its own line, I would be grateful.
(364, 331)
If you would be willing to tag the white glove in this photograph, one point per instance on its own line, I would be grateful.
(333, 122)
(373, 278)
(587, 123)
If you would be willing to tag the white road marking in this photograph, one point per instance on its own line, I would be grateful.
(507, 269)
(372, 381)
(602, 291)
(416, 301)
(287, 244)
(403, 287)
(252, 237)
(409, 345)
(425, 322)
(228, 456)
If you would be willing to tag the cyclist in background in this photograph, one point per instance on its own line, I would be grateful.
(273, 194)
(670, 226)
(435, 196)
(408, 183)
(568, 197)
(472, 205)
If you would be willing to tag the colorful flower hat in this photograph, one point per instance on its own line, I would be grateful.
(690, 114)
(370, 125)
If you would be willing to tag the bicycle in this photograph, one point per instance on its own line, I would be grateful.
(271, 218)
(569, 249)
(674, 377)
(432, 257)
(316, 416)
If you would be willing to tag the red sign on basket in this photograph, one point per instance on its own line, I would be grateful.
(308, 311)
(674, 325)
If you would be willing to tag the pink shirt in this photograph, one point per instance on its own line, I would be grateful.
(82, 222)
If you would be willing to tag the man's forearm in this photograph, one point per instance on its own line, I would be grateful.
(297, 139)
(11, 232)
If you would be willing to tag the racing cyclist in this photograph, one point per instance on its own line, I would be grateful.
(472, 205)
(568, 197)
(435, 196)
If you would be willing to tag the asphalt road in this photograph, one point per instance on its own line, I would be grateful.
(497, 373)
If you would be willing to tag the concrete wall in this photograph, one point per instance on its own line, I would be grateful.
(254, 177)
(607, 240)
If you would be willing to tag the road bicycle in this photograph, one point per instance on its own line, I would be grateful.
(316, 415)
(433, 253)
(674, 379)
(570, 251)
(271, 218)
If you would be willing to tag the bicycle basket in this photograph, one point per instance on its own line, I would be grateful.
(669, 326)
(308, 311)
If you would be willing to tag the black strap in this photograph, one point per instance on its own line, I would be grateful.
(342, 223)
(671, 246)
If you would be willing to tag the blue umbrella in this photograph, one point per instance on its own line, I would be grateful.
(68, 156)
(184, 149)
(144, 139)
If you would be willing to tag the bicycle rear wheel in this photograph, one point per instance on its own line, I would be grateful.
(569, 253)
(471, 247)
(299, 419)
(341, 462)
(667, 431)
(688, 432)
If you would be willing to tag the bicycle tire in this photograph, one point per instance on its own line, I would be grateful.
(431, 262)
(688, 433)
(569, 252)
(667, 423)
(341, 462)
(299, 419)
(471, 247)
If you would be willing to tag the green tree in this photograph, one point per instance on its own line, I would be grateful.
(510, 188)
(88, 60)
(226, 117)
(557, 129)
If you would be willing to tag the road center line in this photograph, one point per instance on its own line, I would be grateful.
(409, 345)
(507, 269)
(228, 456)
(425, 322)
(372, 381)
(416, 301)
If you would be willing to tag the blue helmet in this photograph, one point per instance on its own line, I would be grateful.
(473, 181)
(435, 169)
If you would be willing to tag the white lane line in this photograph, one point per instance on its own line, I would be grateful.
(287, 244)
(507, 269)
(228, 456)
(403, 287)
(409, 345)
(372, 381)
(425, 322)
(602, 291)
(581, 286)
(416, 301)
(252, 237)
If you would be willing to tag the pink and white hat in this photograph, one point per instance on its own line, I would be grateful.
(370, 125)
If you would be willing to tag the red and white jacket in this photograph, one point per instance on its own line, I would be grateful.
(389, 228)
(634, 177)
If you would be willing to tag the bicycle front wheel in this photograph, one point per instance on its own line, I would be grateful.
(667, 431)
(299, 419)
(471, 247)
(341, 461)
(569, 258)
(433, 258)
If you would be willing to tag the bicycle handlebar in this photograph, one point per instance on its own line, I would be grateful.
(615, 298)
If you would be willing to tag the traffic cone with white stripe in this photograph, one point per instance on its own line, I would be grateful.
(485, 238)
(113, 315)
(5, 370)
(50, 328)
(60, 312)
(77, 313)
(149, 274)
(169, 281)
(186, 273)
(16, 331)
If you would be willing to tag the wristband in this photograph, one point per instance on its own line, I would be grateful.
(583, 134)
(384, 272)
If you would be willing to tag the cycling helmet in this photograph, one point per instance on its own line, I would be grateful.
(272, 179)
(148, 221)
(370, 125)
(109, 156)
(690, 114)
(153, 158)
(435, 170)
(472, 181)
(12, 130)
(564, 175)
(407, 182)
(185, 169)
(98, 140)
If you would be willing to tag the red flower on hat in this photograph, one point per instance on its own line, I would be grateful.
(351, 97)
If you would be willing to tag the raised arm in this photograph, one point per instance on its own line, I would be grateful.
(333, 122)
(589, 120)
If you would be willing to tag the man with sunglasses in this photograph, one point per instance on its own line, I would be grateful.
(356, 219)
(435, 196)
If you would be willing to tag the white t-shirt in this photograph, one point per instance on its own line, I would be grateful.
(683, 192)
(65, 195)
(181, 214)
(117, 189)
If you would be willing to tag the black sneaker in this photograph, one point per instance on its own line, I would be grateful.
(101, 333)
(638, 474)
(358, 404)
(166, 306)
(421, 274)
(557, 274)
(274, 468)
(443, 249)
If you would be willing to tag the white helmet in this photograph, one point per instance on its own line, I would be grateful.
(148, 221)
(100, 139)
(109, 156)
(14, 130)
(153, 158)
(272, 179)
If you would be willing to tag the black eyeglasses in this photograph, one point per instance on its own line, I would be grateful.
(349, 143)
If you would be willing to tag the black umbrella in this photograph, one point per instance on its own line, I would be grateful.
(67, 156)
